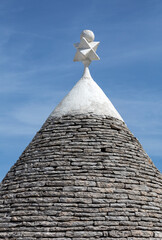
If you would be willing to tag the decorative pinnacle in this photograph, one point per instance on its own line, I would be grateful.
(86, 49)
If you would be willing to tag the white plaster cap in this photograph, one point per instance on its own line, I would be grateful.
(84, 98)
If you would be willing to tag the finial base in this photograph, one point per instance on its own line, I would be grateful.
(86, 63)
(86, 73)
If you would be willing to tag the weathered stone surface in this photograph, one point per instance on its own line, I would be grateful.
(82, 177)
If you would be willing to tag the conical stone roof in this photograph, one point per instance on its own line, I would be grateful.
(83, 176)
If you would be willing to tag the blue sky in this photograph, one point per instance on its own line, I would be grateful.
(37, 68)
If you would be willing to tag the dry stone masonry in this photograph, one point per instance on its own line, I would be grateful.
(82, 177)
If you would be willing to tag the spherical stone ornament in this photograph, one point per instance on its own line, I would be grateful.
(88, 35)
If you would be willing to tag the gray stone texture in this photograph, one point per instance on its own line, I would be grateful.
(82, 177)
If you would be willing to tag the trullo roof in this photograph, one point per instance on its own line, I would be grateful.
(83, 176)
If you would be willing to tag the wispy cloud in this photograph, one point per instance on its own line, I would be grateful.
(143, 119)
(26, 118)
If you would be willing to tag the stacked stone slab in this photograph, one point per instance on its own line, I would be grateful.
(82, 177)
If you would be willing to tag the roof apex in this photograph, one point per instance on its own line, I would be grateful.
(86, 97)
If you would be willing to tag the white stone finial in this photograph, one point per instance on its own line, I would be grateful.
(86, 97)
(86, 49)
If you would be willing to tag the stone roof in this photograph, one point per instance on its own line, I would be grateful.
(82, 177)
